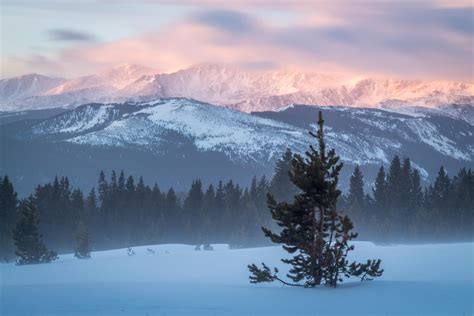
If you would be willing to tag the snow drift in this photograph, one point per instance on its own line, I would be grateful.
(176, 280)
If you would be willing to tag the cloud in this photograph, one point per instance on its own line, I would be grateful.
(68, 35)
(225, 20)
(419, 39)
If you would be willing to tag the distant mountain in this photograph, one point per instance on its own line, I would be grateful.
(173, 141)
(236, 88)
(46, 92)
(26, 86)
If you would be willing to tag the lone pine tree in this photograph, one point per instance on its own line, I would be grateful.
(27, 239)
(312, 229)
(82, 249)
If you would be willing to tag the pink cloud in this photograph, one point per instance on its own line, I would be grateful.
(398, 40)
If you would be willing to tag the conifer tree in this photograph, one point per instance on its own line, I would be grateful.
(30, 248)
(121, 182)
(395, 182)
(90, 204)
(356, 196)
(208, 217)
(113, 180)
(8, 203)
(380, 189)
(281, 186)
(380, 199)
(103, 186)
(82, 249)
(172, 210)
(416, 192)
(193, 206)
(404, 213)
(311, 228)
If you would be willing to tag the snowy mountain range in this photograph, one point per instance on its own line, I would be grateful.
(245, 90)
(176, 140)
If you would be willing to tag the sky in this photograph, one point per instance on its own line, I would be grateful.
(425, 39)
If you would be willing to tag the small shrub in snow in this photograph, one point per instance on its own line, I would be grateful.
(207, 247)
(130, 252)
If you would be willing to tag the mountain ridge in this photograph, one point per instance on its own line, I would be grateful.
(244, 90)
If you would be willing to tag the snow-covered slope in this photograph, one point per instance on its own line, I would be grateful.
(176, 140)
(176, 280)
(245, 90)
(380, 134)
(239, 136)
(373, 136)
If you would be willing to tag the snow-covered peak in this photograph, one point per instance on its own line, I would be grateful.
(113, 79)
(123, 74)
(243, 89)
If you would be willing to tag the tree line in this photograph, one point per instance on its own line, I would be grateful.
(123, 212)
(400, 209)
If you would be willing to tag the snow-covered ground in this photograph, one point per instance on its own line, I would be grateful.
(177, 280)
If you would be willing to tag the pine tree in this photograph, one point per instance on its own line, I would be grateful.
(220, 230)
(405, 213)
(395, 183)
(312, 229)
(8, 202)
(209, 215)
(416, 192)
(232, 206)
(113, 180)
(103, 186)
(30, 248)
(440, 195)
(380, 189)
(464, 200)
(172, 212)
(77, 203)
(281, 186)
(193, 207)
(82, 249)
(121, 182)
(90, 205)
(355, 198)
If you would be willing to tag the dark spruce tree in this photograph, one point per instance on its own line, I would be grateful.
(281, 186)
(8, 203)
(311, 228)
(27, 239)
(380, 189)
(82, 249)
(356, 197)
